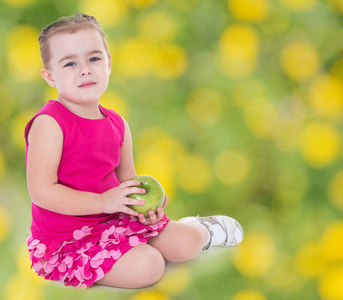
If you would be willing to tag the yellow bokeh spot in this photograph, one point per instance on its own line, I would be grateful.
(170, 62)
(135, 57)
(22, 286)
(300, 61)
(157, 164)
(149, 295)
(337, 4)
(25, 283)
(141, 4)
(326, 96)
(107, 12)
(23, 267)
(18, 124)
(332, 242)
(2, 165)
(283, 274)
(204, 105)
(319, 144)
(330, 285)
(239, 48)
(24, 62)
(174, 281)
(158, 155)
(261, 116)
(19, 3)
(5, 223)
(154, 138)
(231, 167)
(249, 10)
(300, 5)
(336, 190)
(157, 26)
(194, 176)
(309, 260)
(255, 255)
(248, 295)
(114, 101)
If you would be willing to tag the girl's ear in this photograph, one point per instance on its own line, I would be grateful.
(48, 77)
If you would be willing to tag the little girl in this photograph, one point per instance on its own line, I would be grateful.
(79, 171)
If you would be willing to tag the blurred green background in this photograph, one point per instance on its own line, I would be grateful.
(235, 107)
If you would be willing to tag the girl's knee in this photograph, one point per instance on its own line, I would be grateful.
(150, 265)
(191, 243)
(140, 267)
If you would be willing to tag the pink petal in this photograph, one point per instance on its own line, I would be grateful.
(33, 244)
(111, 230)
(62, 267)
(120, 229)
(95, 263)
(54, 259)
(79, 274)
(41, 247)
(133, 224)
(100, 273)
(115, 254)
(78, 234)
(49, 269)
(86, 229)
(134, 241)
(97, 256)
(38, 254)
(106, 254)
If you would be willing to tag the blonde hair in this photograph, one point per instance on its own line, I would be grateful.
(71, 24)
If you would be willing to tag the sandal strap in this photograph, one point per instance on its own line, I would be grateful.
(227, 228)
(207, 224)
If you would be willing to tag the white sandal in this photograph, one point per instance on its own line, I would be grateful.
(233, 230)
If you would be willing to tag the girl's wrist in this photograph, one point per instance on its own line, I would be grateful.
(101, 202)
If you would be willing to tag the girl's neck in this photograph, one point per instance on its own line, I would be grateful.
(86, 110)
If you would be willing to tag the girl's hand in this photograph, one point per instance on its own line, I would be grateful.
(116, 199)
(154, 218)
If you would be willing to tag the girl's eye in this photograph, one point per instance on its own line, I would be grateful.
(94, 59)
(70, 64)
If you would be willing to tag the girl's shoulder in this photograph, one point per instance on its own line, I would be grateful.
(114, 116)
(52, 109)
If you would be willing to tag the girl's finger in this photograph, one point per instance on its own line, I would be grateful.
(142, 219)
(129, 183)
(152, 217)
(160, 213)
(166, 198)
(133, 190)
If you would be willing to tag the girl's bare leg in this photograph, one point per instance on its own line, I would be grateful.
(141, 266)
(179, 242)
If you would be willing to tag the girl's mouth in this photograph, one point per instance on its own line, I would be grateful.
(87, 84)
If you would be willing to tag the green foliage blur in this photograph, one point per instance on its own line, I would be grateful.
(235, 106)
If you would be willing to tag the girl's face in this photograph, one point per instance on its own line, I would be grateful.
(79, 66)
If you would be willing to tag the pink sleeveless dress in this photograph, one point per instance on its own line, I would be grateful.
(79, 250)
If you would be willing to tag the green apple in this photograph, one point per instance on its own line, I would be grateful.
(153, 197)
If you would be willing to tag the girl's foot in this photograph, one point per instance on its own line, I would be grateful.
(224, 231)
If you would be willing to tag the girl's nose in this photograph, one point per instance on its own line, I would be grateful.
(86, 70)
(86, 73)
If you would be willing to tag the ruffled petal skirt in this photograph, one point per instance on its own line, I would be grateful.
(92, 252)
